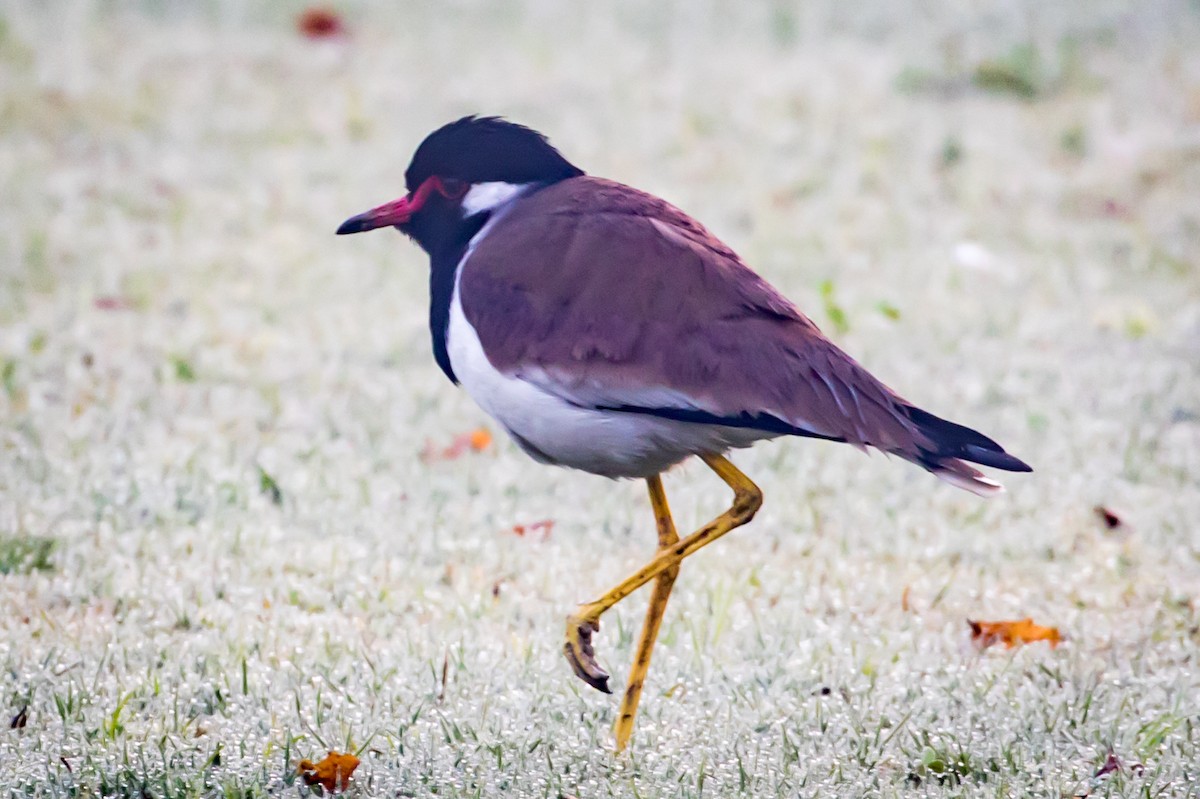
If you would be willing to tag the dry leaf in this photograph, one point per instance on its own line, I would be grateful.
(904, 606)
(1115, 209)
(1011, 633)
(1111, 520)
(476, 441)
(332, 773)
(320, 23)
(113, 304)
(545, 525)
(1112, 763)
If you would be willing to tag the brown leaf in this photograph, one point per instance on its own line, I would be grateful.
(545, 525)
(111, 303)
(1115, 209)
(332, 773)
(320, 23)
(1011, 633)
(1111, 520)
(1112, 763)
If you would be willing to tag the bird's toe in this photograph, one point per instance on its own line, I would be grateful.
(581, 655)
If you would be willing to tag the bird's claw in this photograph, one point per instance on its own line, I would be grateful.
(581, 655)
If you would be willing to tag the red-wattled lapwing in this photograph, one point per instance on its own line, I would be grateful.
(608, 331)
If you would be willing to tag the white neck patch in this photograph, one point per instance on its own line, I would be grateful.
(487, 197)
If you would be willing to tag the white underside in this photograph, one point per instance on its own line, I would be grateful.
(553, 430)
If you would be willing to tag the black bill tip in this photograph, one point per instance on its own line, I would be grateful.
(355, 224)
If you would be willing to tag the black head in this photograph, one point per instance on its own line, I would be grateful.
(485, 150)
(453, 159)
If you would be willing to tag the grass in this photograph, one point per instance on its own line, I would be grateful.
(222, 550)
(23, 554)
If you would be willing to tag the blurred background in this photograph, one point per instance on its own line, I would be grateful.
(238, 525)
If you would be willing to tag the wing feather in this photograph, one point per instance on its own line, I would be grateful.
(611, 298)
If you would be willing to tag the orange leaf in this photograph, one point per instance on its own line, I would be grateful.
(332, 773)
(480, 439)
(1011, 633)
(477, 441)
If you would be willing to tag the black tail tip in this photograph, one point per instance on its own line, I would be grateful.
(956, 441)
(997, 458)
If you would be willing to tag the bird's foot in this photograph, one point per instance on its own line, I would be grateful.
(579, 651)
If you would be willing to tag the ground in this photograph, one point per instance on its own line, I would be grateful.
(230, 540)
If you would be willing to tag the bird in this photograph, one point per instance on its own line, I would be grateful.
(607, 331)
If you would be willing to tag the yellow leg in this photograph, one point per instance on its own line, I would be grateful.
(747, 499)
(667, 537)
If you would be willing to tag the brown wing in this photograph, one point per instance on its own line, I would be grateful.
(611, 298)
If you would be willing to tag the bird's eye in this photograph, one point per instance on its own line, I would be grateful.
(453, 188)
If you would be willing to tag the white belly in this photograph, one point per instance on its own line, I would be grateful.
(552, 430)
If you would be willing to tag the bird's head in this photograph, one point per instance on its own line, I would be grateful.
(461, 173)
